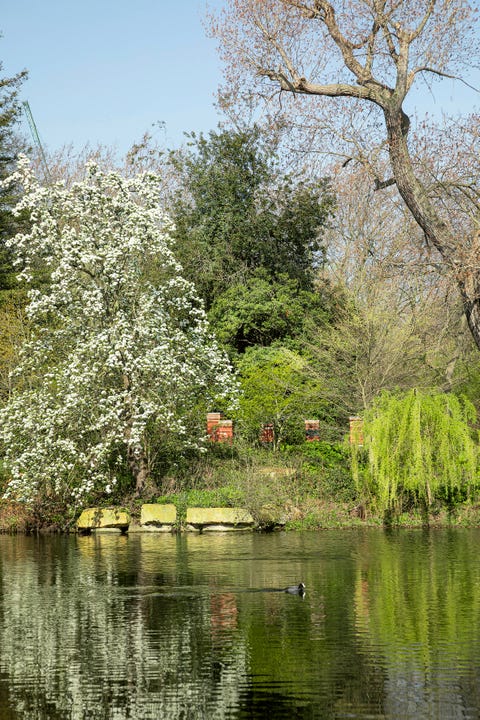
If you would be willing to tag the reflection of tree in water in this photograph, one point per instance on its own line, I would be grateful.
(154, 627)
(320, 670)
(417, 601)
(81, 639)
(162, 627)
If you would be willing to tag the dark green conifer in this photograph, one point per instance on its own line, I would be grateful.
(10, 145)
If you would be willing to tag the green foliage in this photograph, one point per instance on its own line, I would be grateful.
(262, 311)
(326, 470)
(467, 376)
(323, 454)
(251, 239)
(420, 449)
(10, 144)
(236, 213)
(277, 388)
(322, 516)
(226, 496)
(249, 478)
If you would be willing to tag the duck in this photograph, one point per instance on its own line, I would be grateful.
(296, 589)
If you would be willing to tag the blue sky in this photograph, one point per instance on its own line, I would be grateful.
(105, 71)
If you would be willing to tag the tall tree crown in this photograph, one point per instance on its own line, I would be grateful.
(367, 54)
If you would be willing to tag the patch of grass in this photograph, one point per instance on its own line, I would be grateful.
(226, 496)
(15, 517)
(320, 514)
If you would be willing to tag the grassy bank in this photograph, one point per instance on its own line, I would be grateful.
(305, 487)
(312, 514)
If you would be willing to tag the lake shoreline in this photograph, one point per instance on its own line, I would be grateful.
(313, 515)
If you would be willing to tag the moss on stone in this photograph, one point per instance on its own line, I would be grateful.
(155, 514)
(97, 518)
(234, 517)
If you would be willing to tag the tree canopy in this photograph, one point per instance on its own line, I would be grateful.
(344, 69)
(120, 355)
(236, 213)
(262, 311)
(277, 388)
(420, 446)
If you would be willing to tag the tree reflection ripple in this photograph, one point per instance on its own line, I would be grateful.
(154, 626)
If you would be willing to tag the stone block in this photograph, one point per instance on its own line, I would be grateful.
(101, 518)
(108, 531)
(219, 519)
(158, 517)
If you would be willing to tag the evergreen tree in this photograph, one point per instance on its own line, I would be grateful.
(262, 311)
(10, 144)
(237, 213)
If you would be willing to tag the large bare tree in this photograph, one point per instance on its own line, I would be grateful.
(369, 56)
(400, 324)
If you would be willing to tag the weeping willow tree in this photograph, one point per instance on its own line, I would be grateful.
(420, 447)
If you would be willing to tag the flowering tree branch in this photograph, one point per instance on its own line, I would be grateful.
(120, 353)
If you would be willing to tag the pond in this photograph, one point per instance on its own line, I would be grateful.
(154, 626)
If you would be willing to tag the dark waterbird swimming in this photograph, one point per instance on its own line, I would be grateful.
(296, 589)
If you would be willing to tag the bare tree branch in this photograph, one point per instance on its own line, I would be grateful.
(382, 184)
(414, 34)
(435, 71)
(313, 47)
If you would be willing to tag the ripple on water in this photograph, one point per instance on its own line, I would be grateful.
(185, 627)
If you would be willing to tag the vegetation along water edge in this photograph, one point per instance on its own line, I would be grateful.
(279, 316)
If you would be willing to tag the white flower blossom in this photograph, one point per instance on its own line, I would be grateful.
(120, 353)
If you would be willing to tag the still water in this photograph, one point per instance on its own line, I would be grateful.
(154, 626)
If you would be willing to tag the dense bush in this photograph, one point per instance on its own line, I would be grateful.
(325, 470)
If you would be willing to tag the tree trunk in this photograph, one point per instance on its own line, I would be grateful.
(470, 291)
(461, 258)
(138, 464)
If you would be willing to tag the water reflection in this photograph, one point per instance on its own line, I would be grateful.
(154, 626)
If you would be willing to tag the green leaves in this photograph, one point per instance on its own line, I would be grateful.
(277, 388)
(421, 447)
(237, 213)
(262, 311)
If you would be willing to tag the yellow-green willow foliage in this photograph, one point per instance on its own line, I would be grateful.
(419, 446)
(417, 596)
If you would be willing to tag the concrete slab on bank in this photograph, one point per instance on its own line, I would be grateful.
(164, 518)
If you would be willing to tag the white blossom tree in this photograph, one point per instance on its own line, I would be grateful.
(120, 352)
